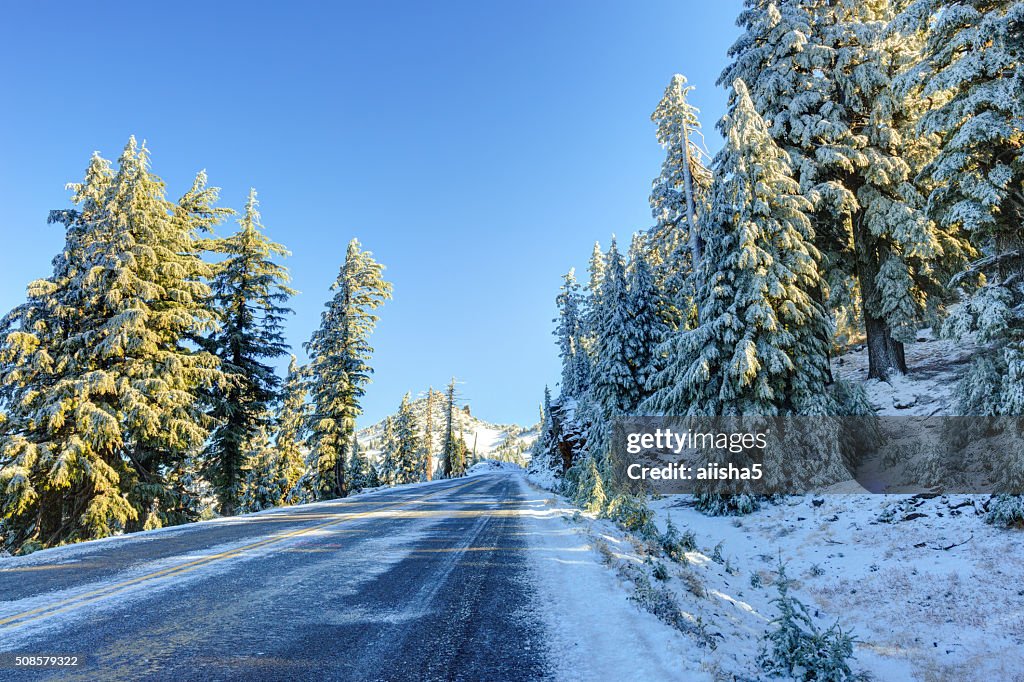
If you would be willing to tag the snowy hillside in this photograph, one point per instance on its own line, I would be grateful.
(485, 440)
(920, 581)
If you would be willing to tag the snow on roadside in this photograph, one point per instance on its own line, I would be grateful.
(595, 632)
(930, 590)
(930, 597)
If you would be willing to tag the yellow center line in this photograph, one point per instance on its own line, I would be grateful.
(95, 595)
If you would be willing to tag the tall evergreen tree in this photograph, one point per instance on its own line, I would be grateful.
(971, 76)
(822, 73)
(359, 468)
(428, 437)
(449, 453)
(339, 355)
(614, 389)
(971, 73)
(647, 329)
(290, 440)
(406, 444)
(97, 370)
(388, 469)
(760, 347)
(678, 199)
(460, 454)
(249, 294)
(595, 283)
(569, 332)
(263, 482)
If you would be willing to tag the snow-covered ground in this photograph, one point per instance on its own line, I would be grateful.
(929, 590)
(595, 632)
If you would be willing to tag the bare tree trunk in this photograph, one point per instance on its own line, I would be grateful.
(428, 436)
(885, 354)
(696, 245)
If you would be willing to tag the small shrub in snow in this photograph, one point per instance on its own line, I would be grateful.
(590, 495)
(588, 492)
(675, 544)
(714, 504)
(607, 556)
(817, 571)
(694, 584)
(798, 649)
(1006, 511)
(755, 580)
(630, 511)
(716, 554)
(660, 571)
(660, 601)
(30, 547)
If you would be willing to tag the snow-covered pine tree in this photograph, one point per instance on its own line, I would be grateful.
(971, 73)
(263, 483)
(647, 329)
(761, 347)
(387, 468)
(428, 436)
(822, 75)
(546, 446)
(406, 445)
(99, 379)
(971, 76)
(448, 451)
(460, 454)
(613, 389)
(249, 294)
(339, 354)
(595, 283)
(569, 332)
(290, 440)
(360, 471)
(678, 197)
(589, 491)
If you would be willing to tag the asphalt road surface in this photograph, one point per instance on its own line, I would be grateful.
(422, 583)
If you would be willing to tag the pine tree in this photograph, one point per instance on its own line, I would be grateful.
(428, 437)
(406, 445)
(971, 74)
(290, 441)
(614, 388)
(263, 483)
(595, 284)
(339, 355)
(449, 454)
(249, 293)
(97, 370)
(359, 468)
(797, 649)
(762, 344)
(647, 329)
(823, 74)
(569, 332)
(678, 200)
(388, 470)
(590, 493)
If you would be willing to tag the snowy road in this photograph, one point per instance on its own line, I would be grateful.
(454, 580)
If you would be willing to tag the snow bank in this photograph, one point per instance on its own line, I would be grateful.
(595, 631)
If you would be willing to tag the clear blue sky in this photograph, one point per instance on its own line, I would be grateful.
(478, 148)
